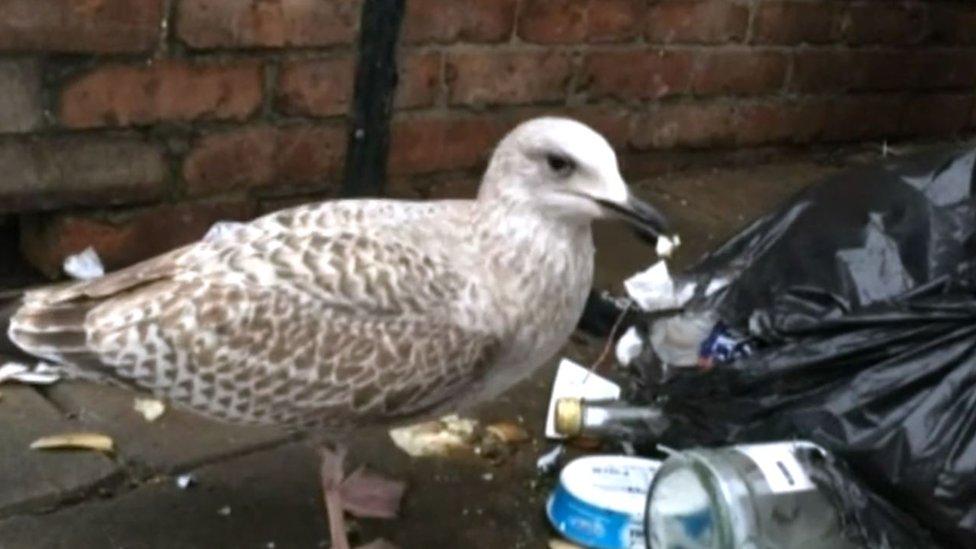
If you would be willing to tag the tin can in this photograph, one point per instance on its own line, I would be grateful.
(600, 500)
(746, 496)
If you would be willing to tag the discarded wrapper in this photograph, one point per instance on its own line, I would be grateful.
(600, 501)
(573, 380)
(654, 289)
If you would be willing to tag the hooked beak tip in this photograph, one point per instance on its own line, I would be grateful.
(647, 220)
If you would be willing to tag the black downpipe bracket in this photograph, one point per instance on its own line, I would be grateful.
(372, 106)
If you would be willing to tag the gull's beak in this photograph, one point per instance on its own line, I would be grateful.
(647, 221)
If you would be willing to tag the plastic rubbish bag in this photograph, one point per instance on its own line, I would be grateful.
(857, 301)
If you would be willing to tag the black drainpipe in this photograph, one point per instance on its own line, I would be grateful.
(372, 105)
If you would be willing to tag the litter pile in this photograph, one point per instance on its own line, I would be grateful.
(816, 371)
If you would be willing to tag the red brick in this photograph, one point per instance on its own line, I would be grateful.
(575, 21)
(491, 78)
(263, 157)
(80, 26)
(823, 71)
(124, 95)
(856, 118)
(935, 69)
(60, 172)
(739, 72)
(267, 23)
(611, 123)
(794, 22)
(436, 187)
(425, 145)
(310, 155)
(553, 21)
(446, 21)
(685, 125)
(317, 87)
(637, 74)
(882, 70)
(890, 23)
(121, 239)
(838, 70)
(940, 115)
(20, 96)
(419, 83)
(953, 24)
(614, 20)
(779, 122)
(697, 21)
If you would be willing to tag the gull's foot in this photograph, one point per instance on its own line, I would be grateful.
(362, 494)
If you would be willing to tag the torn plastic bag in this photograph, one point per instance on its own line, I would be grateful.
(858, 302)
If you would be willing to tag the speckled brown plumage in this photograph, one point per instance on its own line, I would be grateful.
(349, 312)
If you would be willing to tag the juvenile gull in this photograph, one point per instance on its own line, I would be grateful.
(353, 312)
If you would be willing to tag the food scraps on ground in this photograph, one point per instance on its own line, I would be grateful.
(75, 441)
(452, 435)
(150, 408)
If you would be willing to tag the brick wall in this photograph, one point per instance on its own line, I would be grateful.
(133, 124)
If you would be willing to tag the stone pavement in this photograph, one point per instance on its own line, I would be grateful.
(258, 487)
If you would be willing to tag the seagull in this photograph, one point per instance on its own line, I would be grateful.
(336, 315)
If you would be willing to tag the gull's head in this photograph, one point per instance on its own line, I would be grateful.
(567, 171)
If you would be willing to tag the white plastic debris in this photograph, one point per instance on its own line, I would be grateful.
(575, 381)
(85, 265)
(654, 289)
(150, 408)
(715, 285)
(665, 246)
(628, 346)
(224, 511)
(676, 340)
(436, 438)
(220, 229)
(547, 461)
(185, 481)
(41, 374)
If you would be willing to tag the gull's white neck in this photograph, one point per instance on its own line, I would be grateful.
(540, 269)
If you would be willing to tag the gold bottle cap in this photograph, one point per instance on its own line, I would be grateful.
(569, 416)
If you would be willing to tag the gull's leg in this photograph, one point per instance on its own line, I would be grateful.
(361, 494)
(331, 476)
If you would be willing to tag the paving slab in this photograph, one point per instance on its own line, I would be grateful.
(176, 441)
(248, 502)
(33, 480)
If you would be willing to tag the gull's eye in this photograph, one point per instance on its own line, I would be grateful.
(560, 164)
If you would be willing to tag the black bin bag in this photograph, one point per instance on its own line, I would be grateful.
(858, 301)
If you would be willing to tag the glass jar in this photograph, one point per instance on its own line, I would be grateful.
(746, 496)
